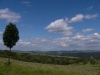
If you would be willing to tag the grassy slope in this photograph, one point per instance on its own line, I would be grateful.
(27, 68)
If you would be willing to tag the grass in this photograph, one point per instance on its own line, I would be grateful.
(28, 68)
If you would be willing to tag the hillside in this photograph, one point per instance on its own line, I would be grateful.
(45, 58)
(27, 68)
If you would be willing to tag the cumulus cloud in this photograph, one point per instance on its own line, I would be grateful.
(57, 26)
(77, 42)
(60, 26)
(77, 18)
(80, 17)
(34, 44)
(91, 16)
(8, 15)
(86, 42)
(67, 43)
(61, 42)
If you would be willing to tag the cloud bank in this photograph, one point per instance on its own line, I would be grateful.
(77, 42)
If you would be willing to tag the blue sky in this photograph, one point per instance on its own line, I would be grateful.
(53, 24)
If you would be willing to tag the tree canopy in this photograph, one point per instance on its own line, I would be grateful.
(10, 35)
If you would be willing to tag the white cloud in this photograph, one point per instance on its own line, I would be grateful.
(80, 17)
(8, 15)
(91, 16)
(60, 26)
(57, 26)
(21, 42)
(34, 44)
(77, 18)
(96, 34)
(77, 42)
(87, 30)
(87, 42)
(89, 8)
(61, 42)
(67, 43)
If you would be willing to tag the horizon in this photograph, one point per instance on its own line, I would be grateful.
(53, 25)
(51, 50)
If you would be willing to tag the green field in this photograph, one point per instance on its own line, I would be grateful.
(28, 68)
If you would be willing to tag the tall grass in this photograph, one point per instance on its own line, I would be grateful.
(27, 68)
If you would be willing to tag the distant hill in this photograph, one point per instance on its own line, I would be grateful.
(74, 53)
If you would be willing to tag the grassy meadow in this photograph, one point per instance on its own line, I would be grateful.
(28, 68)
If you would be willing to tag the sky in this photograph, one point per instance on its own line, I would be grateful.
(48, 25)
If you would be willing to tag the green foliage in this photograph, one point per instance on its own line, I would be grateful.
(85, 61)
(10, 35)
(92, 60)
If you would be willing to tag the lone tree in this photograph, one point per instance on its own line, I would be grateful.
(10, 37)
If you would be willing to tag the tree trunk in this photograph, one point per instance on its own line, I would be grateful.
(9, 56)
